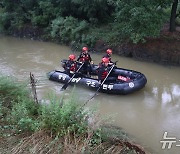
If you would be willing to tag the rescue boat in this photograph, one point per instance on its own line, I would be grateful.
(125, 81)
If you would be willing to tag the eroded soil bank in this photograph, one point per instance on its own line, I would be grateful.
(164, 50)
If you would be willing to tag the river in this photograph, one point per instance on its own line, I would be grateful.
(146, 114)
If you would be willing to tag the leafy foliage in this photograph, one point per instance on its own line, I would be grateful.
(85, 21)
(1, 109)
(43, 14)
(16, 105)
(60, 116)
(138, 19)
(10, 90)
(64, 117)
(67, 29)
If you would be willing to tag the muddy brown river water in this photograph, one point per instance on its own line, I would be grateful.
(146, 114)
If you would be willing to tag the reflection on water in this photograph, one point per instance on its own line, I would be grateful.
(175, 91)
(167, 95)
(145, 114)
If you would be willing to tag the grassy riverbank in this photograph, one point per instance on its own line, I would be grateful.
(61, 126)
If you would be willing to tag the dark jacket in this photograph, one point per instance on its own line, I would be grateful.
(84, 57)
(109, 57)
(70, 66)
(102, 71)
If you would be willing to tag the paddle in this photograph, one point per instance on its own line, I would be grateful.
(100, 85)
(66, 84)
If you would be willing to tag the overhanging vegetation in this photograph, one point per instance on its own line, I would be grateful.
(86, 21)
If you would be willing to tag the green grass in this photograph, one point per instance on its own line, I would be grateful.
(61, 125)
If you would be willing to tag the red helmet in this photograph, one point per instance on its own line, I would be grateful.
(105, 60)
(72, 57)
(109, 51)
(84, 49)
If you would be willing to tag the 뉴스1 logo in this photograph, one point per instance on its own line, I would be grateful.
(168, 141)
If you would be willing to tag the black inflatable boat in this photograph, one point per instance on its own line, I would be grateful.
(125, 81)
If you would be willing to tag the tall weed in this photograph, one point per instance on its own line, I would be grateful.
(63, 116)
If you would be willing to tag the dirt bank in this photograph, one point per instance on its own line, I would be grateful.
(164, 50)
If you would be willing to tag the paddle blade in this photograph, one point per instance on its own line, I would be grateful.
(64, 87)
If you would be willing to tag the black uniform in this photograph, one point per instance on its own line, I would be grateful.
(86, 59)
(108, 56)
(103, 71)
(70, 67)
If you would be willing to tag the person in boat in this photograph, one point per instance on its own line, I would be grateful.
(108, 55)
(103, 70)
(85, 58)
(70, 66)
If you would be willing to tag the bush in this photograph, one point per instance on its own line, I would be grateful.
(1, 109)
(43, 14)
(69, 29)
(138, 20)
(108, 33)
(11, 90)
(62, 117)
(5, 21)
(23, 114)
(16, 104)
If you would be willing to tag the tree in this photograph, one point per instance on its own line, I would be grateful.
(137, 19)
(172, 26)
